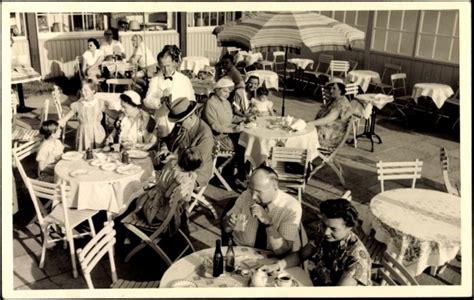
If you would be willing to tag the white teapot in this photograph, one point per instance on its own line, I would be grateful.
(259, 278)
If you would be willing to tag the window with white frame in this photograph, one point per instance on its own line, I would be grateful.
(394, 31)
(149, 21)
(357, 19)
(17, 24)
(71, 22)
(203, 19)
(438, 35)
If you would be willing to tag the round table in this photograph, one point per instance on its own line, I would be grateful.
(438, 92)
(187, 268)
(269, 77)
(302, 63)
(253, 57)
(421, 227)
(194, 63)
(363, 78)
(100, 189)
(259, 140)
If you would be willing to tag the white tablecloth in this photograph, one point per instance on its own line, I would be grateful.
(369, 100)
(421, 227)
(363, 78)
(194, 63)
(438, 92)
(269, 77)
(254, 57)
(102, 190)
(302, 62)
(258, 141)
(187, 269)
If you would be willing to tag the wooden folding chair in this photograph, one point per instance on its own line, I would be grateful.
(291, 165)
(339, 68)
(353, 65)
(103, 243)
(321, 69)
(61, 216)
(60, 110)
(385, 85)
(394, 273)
(151, 235)
(352, 90)
(399, 170)
(401, 100)
(445, 169)
(199, 198)
(328, 157)
(217, 153)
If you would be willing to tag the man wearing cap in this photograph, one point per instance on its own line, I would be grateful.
(167, 85)
(111, 47)
(272, 217)
(189, 131)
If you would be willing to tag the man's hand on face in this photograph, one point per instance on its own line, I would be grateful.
(260, 213)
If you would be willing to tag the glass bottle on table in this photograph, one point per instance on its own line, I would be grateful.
(230, 258)
(218, 260)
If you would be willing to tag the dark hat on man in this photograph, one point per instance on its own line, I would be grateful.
(180, 109)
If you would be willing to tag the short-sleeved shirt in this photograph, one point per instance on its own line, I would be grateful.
(50, 152)
(108, 49)
(284, 213)
(236, 77)
(144, 55)
(333, 261)
(262, 107)
(90, 59)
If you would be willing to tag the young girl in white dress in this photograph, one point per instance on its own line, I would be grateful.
(89, 111)
(260, 105)
(50, 150)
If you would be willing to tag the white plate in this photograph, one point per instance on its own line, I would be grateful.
(128, 169)
(109, 166)
(97, 162)
(183, 284)
(137, 153)
(72, 155)
(250, 125)
(80, 172)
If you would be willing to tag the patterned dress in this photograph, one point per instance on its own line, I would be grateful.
(330, 135)
(90, 132)
(333, 261)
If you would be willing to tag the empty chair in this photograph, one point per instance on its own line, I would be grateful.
(445, 169)
(100, 245)
(353, 65)
(385, 85)
(291, 165)
(152, 235)
(339, 68)
(198, 198)
(401, 100)
(394, 273)
(321, 69)
(279, 63)
(217, 153)
(399, 170)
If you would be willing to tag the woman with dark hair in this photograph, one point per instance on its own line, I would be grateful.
(134, 128)
(336, 255)
(332, 120)
(92, 59)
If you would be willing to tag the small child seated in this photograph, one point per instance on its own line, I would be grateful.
(260, 105)
(154, 204)
(50, 150)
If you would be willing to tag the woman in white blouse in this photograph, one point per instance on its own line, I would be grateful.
(92, 59)
(134, 128)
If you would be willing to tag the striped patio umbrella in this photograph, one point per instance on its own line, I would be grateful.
(288, 31)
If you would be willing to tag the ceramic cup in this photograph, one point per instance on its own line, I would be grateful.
(284, 280)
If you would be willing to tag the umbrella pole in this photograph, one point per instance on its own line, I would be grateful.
(284, 83)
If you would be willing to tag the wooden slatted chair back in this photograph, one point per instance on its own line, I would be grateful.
(339, 68)
(45, 111)
(324, 61)
(394, 273)
(347, 195)
(57, 101)
(388, 70)
(352, 90)
(217, 153)
(399, 170)
(103, 243)
(279, 156)
(399, 84)
(445, 169)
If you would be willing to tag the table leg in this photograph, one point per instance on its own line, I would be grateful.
(21, 99)
(369, 130)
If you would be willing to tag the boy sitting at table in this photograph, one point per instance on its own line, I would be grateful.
(50, 150)
(260, 105)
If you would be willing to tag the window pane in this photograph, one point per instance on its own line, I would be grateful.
(229, 17)
(362, 18)
(89, 22)
(221, 18)
(455, 51)
(443, 44)
(206, 16)
(350, 17)
(22, 24)
(425, 47)
(395, 19)
(446, 22)
(43, 23)
(381, 19)
(409, 20)
(190, 20)
(392, 41)
(379, 40)
(407, 43)
(77, 22)
(99, 22)
(198, 19)
(326, 13)
(429, 21)
(213, 19)
(339, 15)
